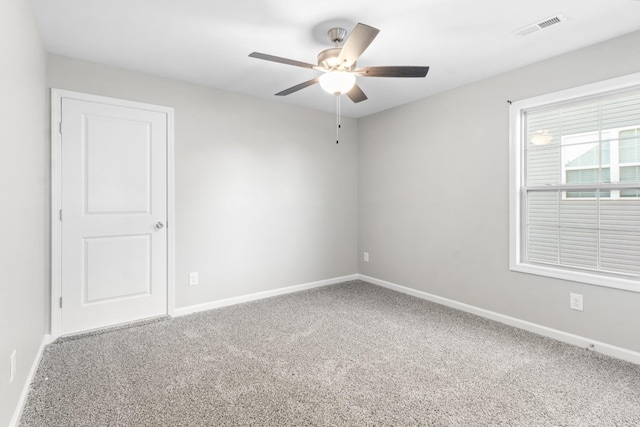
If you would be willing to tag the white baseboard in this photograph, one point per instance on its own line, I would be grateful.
(182, 311)
(600, 347)
(46, 340)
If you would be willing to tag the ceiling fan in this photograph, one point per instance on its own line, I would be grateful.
(339, 64)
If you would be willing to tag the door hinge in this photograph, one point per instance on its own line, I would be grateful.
(60, 302)
(60, 127)
(60, 214)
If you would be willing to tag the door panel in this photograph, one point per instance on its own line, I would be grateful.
(116, 267)
(114, 192)
(118, 169)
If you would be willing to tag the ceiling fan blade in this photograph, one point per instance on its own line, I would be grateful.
(359, 39)
(298, 87)
(356, 94)
(392, 71)
(280, 60)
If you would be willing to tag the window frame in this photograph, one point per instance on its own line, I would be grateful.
(517, 192)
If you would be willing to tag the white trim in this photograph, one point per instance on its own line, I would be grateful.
(600, 347)
(183, 311)
(56, 203)
(15, 420)
(585, 91)
(171, 218)
(558, 272)
(515, 178)
(56, 190)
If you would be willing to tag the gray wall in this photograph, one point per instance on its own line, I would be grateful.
(433, 198)
(24, 186)
(264, 196)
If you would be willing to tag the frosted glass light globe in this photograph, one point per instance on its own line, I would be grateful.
(337, 82)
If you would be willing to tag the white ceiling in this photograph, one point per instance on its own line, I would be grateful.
(208, 41)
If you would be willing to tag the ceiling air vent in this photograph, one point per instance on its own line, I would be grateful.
(541, 25)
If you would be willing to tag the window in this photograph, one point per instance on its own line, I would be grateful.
(575, 184)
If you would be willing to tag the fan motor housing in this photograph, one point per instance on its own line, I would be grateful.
(329, 59)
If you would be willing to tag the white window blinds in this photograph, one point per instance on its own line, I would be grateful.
(579, 184)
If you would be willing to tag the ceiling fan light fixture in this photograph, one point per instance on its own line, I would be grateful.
(337, 82)
(339, 64)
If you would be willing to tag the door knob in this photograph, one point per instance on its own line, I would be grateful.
(159, 225)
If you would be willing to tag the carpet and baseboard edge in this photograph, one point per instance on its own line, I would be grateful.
(577, 340)
(46, 340)
(183, 311)
(604, 348)
(600, 347)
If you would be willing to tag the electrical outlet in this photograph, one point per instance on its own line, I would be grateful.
(366, 257)
(193, 279)
(13, 366)
(575, 302)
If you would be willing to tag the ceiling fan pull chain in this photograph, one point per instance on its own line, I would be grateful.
(337, 118)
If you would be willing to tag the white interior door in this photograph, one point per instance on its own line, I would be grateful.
(114, 213)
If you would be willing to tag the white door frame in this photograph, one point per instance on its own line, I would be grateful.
(56, 191)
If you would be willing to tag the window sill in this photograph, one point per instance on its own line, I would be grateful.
(632, 285)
